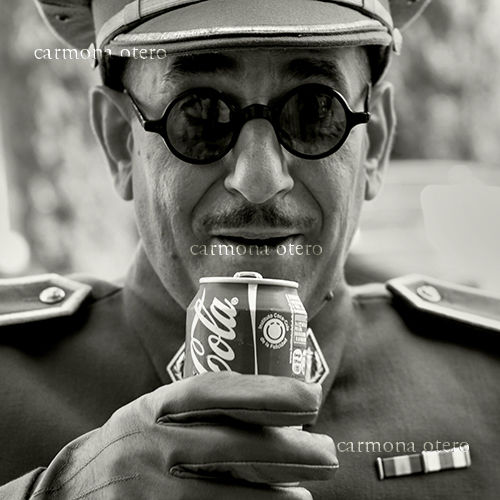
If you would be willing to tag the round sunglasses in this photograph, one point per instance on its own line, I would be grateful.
(201, 125)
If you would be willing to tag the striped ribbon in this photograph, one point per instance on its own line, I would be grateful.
(424, 462)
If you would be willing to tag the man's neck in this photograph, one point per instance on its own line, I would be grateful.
(152, 313)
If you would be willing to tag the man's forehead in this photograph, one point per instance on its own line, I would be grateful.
(300, 64)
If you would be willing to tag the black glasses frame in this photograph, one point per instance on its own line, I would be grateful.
(239, 116)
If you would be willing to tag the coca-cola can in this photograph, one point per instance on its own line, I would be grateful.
(247, 324)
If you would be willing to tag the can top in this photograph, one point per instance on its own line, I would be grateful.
(249, 277)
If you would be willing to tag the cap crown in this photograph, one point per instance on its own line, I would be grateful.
(81, 22)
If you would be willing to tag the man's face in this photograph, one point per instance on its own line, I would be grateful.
(259, 208)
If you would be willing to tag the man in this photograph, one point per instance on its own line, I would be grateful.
(266, 125)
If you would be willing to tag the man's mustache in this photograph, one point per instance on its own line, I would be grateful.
(269, 216)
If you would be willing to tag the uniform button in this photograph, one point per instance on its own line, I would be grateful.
(429, 293)
(52, 295)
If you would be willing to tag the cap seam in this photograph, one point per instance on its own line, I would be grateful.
(66, 5)
(186, 35)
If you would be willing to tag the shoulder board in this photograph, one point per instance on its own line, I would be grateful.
(369, 291)
(464, 304)
(34, 298)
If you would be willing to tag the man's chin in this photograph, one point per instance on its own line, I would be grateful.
(284, 258)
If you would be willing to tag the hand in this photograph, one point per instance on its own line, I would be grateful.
(213, 436)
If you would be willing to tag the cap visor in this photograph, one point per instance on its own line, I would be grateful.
(217, 24)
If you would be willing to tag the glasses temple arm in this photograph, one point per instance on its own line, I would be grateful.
(368, 98)
(136, 109)
(364, 116)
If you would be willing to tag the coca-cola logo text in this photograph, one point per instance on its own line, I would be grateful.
(220, 320)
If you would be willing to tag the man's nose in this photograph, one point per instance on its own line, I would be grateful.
(259, 172)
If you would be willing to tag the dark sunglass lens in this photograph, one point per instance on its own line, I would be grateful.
(199, 126)
(312, 121)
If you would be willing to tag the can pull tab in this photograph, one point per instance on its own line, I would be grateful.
(248, 274)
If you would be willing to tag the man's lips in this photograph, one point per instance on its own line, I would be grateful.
(256, 236)
(255, 233)
(260, 241)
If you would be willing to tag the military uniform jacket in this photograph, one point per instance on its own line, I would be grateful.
(413, 367)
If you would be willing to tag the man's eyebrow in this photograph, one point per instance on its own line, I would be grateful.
(199, 64)
(312, 67)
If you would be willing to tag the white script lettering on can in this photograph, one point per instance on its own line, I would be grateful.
(220, 321)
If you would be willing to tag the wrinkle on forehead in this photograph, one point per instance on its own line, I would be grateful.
(347, 68)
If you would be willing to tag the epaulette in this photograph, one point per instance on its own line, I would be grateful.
(369, 291)
(464, 304)
(34, 298)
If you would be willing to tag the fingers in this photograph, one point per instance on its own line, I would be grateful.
(259, 400)
(195, 489)
(208, 490)
(154, 487)
(230, 426)
(255, 454)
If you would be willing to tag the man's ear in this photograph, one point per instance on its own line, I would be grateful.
(380, 130)
(111, 123)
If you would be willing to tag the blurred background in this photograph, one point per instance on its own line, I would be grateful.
(438, 214)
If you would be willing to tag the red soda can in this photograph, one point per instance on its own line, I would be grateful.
(247, 324)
